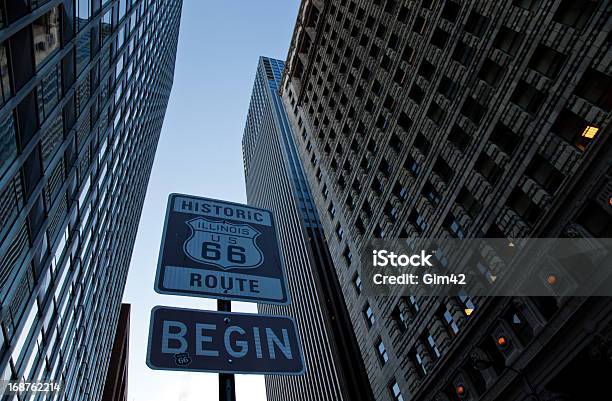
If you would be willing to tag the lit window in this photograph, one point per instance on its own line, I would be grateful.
(590, 132)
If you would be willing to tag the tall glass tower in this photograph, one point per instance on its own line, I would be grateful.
(275, 180)
(84, 87)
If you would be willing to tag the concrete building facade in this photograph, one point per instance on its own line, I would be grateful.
(458, 119)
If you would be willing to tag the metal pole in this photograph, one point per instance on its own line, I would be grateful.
(227, 386)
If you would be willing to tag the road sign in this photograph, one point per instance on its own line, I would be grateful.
(218, 249)
(223, 342)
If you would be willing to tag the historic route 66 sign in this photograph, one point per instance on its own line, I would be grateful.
(218, 249)
(225, 245)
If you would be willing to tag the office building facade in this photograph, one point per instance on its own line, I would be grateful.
(275, 180)
(116, 384)
(458, 119)
(85, 86)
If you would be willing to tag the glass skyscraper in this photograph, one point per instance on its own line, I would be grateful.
(84, 87)
(275, 180)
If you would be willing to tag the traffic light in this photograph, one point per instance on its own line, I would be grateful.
(502, 342)
(460, 390)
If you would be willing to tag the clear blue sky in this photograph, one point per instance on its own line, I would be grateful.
(199, 153)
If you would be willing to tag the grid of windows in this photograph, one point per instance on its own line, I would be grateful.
(275, 180)
(482, 113)
(81, 111)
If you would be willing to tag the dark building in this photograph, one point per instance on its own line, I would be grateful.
(459, 119)
(116, 385)
(275, 180)
(85, 86)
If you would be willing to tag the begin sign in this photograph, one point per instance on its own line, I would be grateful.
(218, 249)
(223, 342)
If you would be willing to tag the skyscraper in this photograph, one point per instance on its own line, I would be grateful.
(116, 383)
(85, 86)
(458, 119)
(275, 180)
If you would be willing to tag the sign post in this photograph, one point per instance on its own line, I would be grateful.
(228, 251)
(227, 384)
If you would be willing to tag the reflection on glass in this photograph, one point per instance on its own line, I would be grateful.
(8, 148)
(46, 32)
(106, 27)
(122, 9)
(5, 87)
(48, 94)
(83, 13)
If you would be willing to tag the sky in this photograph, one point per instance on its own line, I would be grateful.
(199, 153)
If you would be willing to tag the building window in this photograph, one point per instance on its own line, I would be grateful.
(459, 138)
(449, 321)
(575, 13)
(429, 191)
(439, 38)
(463, 54)
(491, 72)
(369, 315)
(396, 392)
(383, 356)
(358, 283)
(348, 256)
(476, 24)
(422, 143)
(401, 317)
(526, 4)
(418, 222)
(432, 347)
(505, 139)
(417, 360)
(46, 31)
(508, 40)
(411, 165)
(468, 306)
(454, 227)
(5, 84)
(596, 220)
(331, 209)
(8, 146)
(596, 87)
(339, 232)
(488, 168)
(448, 88)
(519, 324)
(527, 97)
(469, 203)
(450, 11)
(473, 110)
(544, 174)
(524, 206)
(436, 113)
(547, 61)
(400, 192)
(416, 93)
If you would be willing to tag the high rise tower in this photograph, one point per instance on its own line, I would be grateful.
(456, 118)
(275, 180)
(85, 86)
